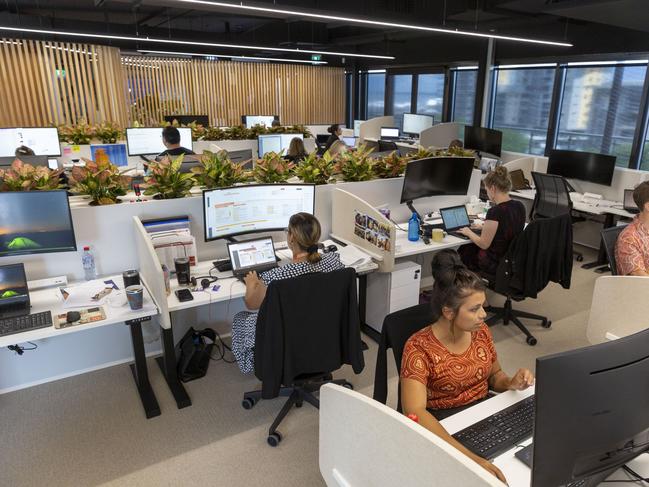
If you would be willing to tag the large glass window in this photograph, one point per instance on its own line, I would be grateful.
(600, 109)
(375, 95)
(430, 95)
(522, 107)
(401, 96)
(464, 87)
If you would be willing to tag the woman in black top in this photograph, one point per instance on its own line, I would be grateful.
(504, 221)
(335, 132)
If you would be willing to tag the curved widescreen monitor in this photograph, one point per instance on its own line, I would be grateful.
(251, 120)
(483, 140)
(585, 166)
(44, 141)
(35, 222)
(414, 123)
(436, 176)
(254, 208)
(143, 141)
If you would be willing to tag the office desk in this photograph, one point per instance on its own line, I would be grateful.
(401, 145)
(517, 473)
(406, 248)
(50, 299)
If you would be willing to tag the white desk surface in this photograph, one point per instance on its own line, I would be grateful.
(517, 473)
(405, 247)
(414, 145)
(51, 299)
(601, 208)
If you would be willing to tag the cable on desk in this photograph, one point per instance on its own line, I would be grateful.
(19, 350)
(397, 225)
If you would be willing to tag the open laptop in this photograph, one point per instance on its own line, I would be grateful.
(629, 204)
(454, 218)
(350, 141)
(252, 255)
(518, 180)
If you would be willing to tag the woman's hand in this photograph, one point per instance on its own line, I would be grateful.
(252, 280)
(491, 468)
(466, 231)
(521, 380)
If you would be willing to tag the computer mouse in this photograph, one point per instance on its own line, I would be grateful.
(72, 316)
(331, 248)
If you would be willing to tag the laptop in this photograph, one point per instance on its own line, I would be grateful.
(350, 141)
(389, 133)
(454, 218)
(14, 295)
(629, 205)
(252, 255)
(518, 180)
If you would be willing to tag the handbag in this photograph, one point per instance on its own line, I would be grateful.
(195, 353)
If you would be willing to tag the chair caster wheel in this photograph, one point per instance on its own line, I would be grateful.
(298, 404)
(579, 258)
(349, 385)
(546, 323)
(531, 341)
(274, 439)
(247, 403)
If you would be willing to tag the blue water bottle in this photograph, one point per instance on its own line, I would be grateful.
(413, 228)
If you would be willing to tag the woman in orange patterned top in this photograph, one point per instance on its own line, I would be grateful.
(452, 363)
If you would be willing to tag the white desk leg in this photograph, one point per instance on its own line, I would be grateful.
(167, 364)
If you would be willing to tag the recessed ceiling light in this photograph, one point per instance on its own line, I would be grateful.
(376, 23)
(187, 43)
(240, 58)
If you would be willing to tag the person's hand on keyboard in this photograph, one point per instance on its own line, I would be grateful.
(466, 231)
(521, 380)
(491, 468)
(252, 280)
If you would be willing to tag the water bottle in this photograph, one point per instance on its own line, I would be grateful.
(88, 262)
(413, 228)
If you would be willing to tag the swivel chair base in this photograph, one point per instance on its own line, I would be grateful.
(507, 314)
(300, 391)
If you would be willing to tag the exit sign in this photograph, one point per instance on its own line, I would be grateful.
(316, 57)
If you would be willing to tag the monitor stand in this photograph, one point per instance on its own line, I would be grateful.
(412, 209)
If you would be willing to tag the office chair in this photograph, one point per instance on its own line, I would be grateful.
(609, 238)
(539, 254)
(307, 327)
(552, 198)
(387, 146)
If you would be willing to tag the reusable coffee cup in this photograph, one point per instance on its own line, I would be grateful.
(131, 278)
(135, 296)
(182, 270)
(438, 234)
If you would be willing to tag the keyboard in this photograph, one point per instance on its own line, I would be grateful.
(18, 324)
(477, 231)
(500, 432)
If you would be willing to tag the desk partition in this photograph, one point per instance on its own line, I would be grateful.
(525, 164)
(372, 128)
(441, 135)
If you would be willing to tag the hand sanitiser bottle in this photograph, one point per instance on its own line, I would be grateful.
(413, 228)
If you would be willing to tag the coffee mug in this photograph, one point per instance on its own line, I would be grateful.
(438, 234)
(135, 296)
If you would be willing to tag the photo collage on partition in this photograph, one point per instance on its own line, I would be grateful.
(367, 228)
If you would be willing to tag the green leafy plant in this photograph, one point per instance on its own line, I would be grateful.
(107, 132)
(259, 129)
(390, 166)
(25, 177)
(455, 152)
(100, 180)
(299, 129)
(218, 171)
(238, 132)
(78, 134)
(356, 165)
(421, 153)
(316, 170)
(166, 181)
(272, 168)
(214, 133)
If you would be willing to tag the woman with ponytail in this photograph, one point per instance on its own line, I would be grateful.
(451, 364)
(302, 237)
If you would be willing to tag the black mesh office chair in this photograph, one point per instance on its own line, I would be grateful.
(552, 198)
(387, 145)
(609, 238)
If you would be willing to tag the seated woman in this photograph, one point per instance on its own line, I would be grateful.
(296, 151)
(504, 221)
(452, 363)
(302, 237)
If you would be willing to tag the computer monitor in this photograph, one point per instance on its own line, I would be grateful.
(142, 141)
(275, 142)
(251, 120)
(35, 222)
(357, 127)
(350, 141)
(483, 140)
(116, 153)
(44, 141)
(436, 176)
(585, 166)
(389, 133)
(413, 124)
(591, 411)
(203, 120)
(254, 208)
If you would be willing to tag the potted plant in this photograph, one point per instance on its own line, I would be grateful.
(238, 132)
(272, 168)
(25, 177)
(316, 170)
(214, 133)
(299, 129)
(107, 132)
(421, 153)
(259, 129)
(218, 171)
(390, 166)
(78, 134)
(100, 180)
(166, 181)
(356, 165)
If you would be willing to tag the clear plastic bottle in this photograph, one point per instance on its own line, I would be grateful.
(88, 261)
(413, 228)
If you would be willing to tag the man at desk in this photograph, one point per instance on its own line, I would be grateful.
(171, 140)
(632, 247)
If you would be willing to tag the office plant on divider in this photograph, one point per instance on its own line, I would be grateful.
(25, 177)
(218, 171)
(165, 180)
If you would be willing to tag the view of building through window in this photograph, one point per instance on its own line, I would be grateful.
(464, 88)
(430, 95)
(375, 95)
(401, 97)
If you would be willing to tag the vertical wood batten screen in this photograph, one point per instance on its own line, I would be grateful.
(225, 90)
(43, 83)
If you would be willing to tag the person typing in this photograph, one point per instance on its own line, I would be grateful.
(632, 246)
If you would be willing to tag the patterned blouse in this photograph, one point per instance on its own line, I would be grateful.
(632, 249)
(451, 380)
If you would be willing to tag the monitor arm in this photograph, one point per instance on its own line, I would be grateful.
(412, 208)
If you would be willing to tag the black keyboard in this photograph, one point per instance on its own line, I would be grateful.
(477, 231)
(18, 324)
(500, 432)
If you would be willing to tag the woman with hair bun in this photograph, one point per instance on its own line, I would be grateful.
(504, 221)
(335, 132)
(302, 237)
(451, 364)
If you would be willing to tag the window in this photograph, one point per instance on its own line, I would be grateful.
(600, 109)
(522, 107)
(463, 86)
(430, 95)
(401, 96)
(375, 95)
(349, 99)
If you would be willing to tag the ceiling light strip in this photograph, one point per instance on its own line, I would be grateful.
(188, 43)
(375, 22)
(244, 58)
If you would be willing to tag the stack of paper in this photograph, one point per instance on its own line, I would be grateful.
(352, 256)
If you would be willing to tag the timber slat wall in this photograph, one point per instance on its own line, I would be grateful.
(44, 83)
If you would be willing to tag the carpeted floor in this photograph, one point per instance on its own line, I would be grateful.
(90, 430)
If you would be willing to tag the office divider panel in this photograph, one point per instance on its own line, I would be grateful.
(441, 135)
(371, 129)
(525, 164)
